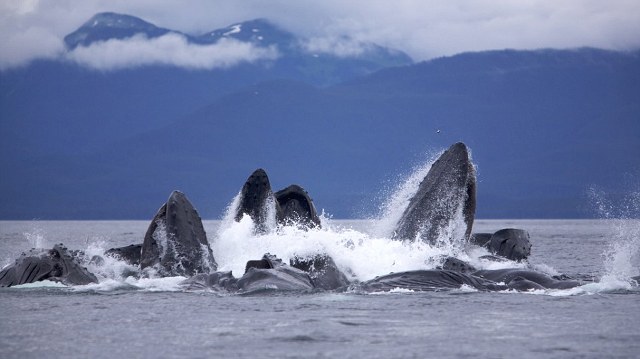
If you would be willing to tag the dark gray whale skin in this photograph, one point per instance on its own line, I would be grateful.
(255, 197)
(511, 243)
(293, 206)
(296, 207)
(270, 274)
(175, 242)
(429, 280)
(507, 275)
(263, 275)
(217, 281)
(515, 278)
(56, 264)
(483, 280)
(130, 254)
(457, 265)
(323, 271)
(448, 187)
(481, 239)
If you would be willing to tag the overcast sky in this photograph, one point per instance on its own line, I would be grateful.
(423, 28)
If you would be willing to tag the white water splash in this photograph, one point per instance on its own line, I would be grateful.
(110, 267)
(35, 238)
(40, 284)
(624, 248)
(270, 214)
(358, 254)
(165, 284)
(230, 212)
(160, 235)
(361, 254)
(398, 200)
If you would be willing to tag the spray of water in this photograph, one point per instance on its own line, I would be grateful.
(110, 268)
(624, 247)
(35, 238)
(361, 254)
(398, 198)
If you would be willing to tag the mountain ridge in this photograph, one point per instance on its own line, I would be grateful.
(544, 126)
(261, 32)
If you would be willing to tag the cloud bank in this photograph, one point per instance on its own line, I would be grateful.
(423, 28)
(339, 46)
(170, 49)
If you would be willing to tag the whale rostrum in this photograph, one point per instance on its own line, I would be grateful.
(175, 242)
(446, 195)
(257, 201)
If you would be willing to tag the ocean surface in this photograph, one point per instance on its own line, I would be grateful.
(129, 317)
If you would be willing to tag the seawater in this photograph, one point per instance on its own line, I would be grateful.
(125, 316)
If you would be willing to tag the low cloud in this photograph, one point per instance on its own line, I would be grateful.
(338, 46)
(170, 49)
(422, 28)
(33, 42)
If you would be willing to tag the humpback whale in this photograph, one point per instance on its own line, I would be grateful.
(269, 273)
(447, 192)
(516, 278)
(257, 201)
(56, 264)
(130, 254)
(429, 280)
(456, 273)
(175, 242)
(288, 206)
(296, 207)
(266, 274)
(323, 271)
(509, 243)
(507, 275)
(215, 281)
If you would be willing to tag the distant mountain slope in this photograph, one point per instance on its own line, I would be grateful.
(543, 125)
(60, 107)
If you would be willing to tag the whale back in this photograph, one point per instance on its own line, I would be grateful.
(447, 193)
(176, 240)
(429, 280)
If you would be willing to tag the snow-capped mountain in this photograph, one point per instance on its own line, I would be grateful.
(258, 31)
(363, 58)
(108, 25)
